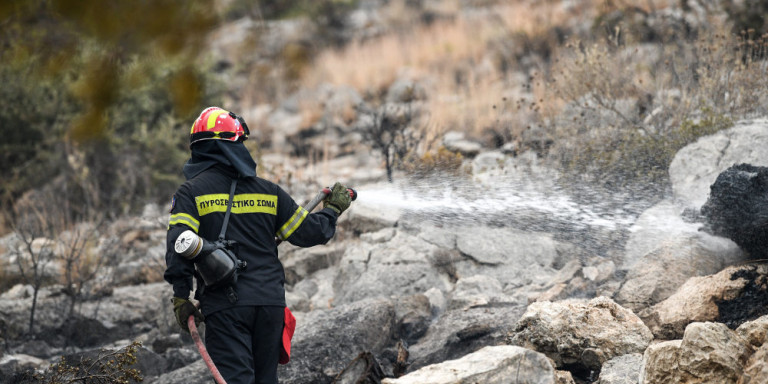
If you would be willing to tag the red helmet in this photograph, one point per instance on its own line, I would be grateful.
(216, 123)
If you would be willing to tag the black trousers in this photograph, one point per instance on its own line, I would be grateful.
(245, 342)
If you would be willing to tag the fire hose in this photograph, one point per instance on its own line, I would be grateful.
(191, 320)
(203, 351)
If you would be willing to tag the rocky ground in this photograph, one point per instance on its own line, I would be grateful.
(481, 277)
(465, 300)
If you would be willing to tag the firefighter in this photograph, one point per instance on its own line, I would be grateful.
(245, 314)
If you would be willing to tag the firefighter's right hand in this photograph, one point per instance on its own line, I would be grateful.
(184, 308)
(338, 200)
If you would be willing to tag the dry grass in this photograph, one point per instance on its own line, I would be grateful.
(466, 88)
(432, 49)
(501, 70)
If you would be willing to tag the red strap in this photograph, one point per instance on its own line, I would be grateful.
(288, 328)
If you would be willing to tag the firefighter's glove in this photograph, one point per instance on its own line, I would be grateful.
(184, 308)
(338, 199)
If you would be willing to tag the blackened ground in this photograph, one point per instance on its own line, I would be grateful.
(750, 304)
(737, 208)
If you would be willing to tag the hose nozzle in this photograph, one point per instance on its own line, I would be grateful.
(352, 192)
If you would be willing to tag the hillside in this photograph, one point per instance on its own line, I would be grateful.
(506, 153)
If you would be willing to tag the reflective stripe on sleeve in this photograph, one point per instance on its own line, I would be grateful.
(292, 224)
(186, 219)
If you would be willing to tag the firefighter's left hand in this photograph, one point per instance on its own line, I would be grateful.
(184, 308)
(338, 199)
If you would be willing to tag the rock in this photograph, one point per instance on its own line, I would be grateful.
(149, 363)
(297, 301)
(737, 208)
(695, 167)
(478, 290)
(459, 332)
(708, 353)
(405, 91)
(304, 262)
(623, 369)
(756, 368)
(363, 369)
(600, 271)
(166, 342)
(18, 292)
(437, 302)
(131, 305)
(283, 123)
(513, 257)
(323, 297)
(194, 373)
(413, 316)
(536, 139)
(656, 225)
(730, 296)
(382, 236)
(178, 358)
(455, 142)
(19, 362)
(339, 103)
(564, 377)
(580, 333)
(754, 331)
(326, 340)
(660, 363)
(488, 162)
(37, 348)
(489, 365)
(396, 268)
(661, 272)
(131, 273)
(367, 216)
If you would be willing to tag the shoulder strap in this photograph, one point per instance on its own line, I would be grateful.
(229, 209)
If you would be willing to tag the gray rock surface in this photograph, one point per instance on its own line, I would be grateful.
(695, 167)
(490, 365)
(659, 273)
(707, 353)
(580, 332)
(326, 340)
(623, 369)
(700, 299)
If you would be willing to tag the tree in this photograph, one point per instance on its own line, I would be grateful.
(58, 246)
(33, 258)
(389, 130)
(88, 84)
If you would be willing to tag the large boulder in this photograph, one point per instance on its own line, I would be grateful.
(696, 166)
(732, 296)
(661, 272)
(756, 368)
(513, 257)
(459, 332)
(708, 353)
(621, 370)
(655, 226)
(398, 267)
(737, 208)
(581, 334)
(489, 365)
(194, 373)
(326, 340)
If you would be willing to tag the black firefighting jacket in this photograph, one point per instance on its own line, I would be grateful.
(261, 212)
